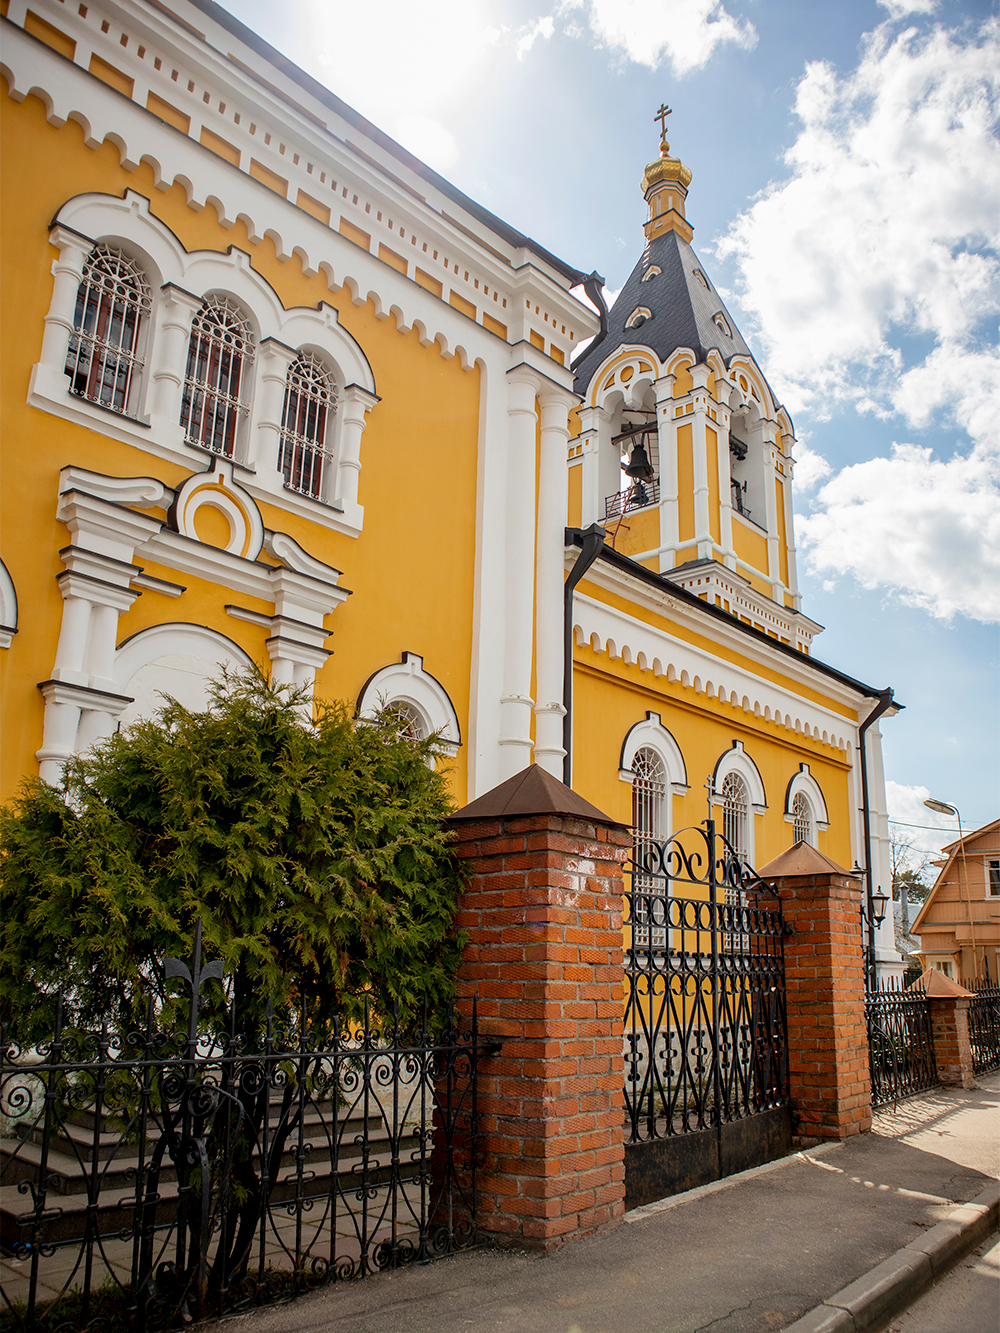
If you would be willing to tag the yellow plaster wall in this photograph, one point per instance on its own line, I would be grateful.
(575, 509)
(611, 697)
(749, 544)
(411, 570)
(712, 449)
(779, 501)
(685, 484)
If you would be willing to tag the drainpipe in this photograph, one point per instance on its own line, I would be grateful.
(593, 285)
(883, 706)
(593, 544)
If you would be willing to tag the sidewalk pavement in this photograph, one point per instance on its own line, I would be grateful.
(835, 1239)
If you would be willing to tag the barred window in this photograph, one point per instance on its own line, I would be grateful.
(802, 823)
(735, 808)
(649, 787)
(411, 724)
(310, 400)
(220, 355)
(104, 361)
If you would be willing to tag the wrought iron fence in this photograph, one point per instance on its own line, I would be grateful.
(900, 1042)
(984, 1027)
(705, 1024)
(151, 1178)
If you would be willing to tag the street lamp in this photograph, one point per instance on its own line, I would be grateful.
(943, 808)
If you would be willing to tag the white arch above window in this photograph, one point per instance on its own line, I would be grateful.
(651, 734)
(8, 607)
(407, 683)
(803, 783)
(176, 659)
(737, 760)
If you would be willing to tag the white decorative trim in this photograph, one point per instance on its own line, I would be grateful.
(805, 784)
(652, 734)
(177, 640)
(216, 489)
(8, 607)
(607, 629)
(738, 761)
(407, 682)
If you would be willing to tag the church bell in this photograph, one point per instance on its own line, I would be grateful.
(639, 466)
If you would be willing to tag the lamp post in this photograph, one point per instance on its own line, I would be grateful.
(873, 909)
(943, 808)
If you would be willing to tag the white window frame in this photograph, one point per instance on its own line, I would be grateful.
(736, 760)
(804, 784)
(179, 281)
(406, 682)
(989, 861)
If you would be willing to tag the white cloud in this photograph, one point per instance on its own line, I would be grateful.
(411, 66)
(926, 529)
(906, 804)
(649, 32)
(810, 467)
(899, 9)
(884, 231)
(871, 274)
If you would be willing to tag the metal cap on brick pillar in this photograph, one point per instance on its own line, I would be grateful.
(542, 910)
(828, 1069)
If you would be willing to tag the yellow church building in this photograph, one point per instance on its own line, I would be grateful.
(276, 392)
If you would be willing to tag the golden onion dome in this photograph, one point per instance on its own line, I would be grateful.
(666, 169)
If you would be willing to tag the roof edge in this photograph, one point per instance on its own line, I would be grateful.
(574, 536)
(329, 98)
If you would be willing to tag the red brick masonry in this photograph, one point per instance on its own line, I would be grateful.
(543, 912)
(825, 987)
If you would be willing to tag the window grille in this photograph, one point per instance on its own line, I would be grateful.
(220, 354)
(103, 361)
(994, 878)
(649, 787)
(411, 724)
(310, 400)
(802, 825)
(735, 807)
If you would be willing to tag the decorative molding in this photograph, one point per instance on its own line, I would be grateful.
(736, 760)
(653, 734)
(8, 607)
(804, 782)
(407, 682)
(215, 489)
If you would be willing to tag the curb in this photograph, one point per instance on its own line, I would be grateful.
(886, 1290)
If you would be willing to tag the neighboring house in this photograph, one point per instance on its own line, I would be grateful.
(276, 392)
(959, 923)
(906, 943)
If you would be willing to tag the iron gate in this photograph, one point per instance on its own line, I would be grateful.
(900, 1042)
(706, 1067)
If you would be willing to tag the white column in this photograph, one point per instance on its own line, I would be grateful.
(553, 499)
(771, 516)
(353, 405)
(516, 701)
(698, 420)
(666, 438)
(67, 272)
(177, 309)
(793, 576)
(592, 437)
(275, 358)
(73, 635)
(62, 721)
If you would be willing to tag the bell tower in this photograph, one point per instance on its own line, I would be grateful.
(685, 454)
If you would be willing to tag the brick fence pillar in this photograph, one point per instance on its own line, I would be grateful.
(543, 912)
(825, 990)
(949, 1009)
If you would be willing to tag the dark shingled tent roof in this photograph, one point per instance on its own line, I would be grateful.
(683, 310)
(533, 791)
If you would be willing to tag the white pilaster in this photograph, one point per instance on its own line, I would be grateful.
(516, 701)
(353, 405)
(275, 358)
(177, 308)
(67, 272)
(699, 444)
(553, 497)
(666, 431)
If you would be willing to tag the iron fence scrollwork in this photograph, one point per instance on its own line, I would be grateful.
(984, 1027)
(900, 1042)
(154, 1177)
(705, 1019)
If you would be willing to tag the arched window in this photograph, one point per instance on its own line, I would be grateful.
(649, 787)
(104, 360)
(220, 355)
(411, 720)
(735, 809)
(310, 400)
(802, 819)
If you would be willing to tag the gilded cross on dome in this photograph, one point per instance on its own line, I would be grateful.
(661, 116)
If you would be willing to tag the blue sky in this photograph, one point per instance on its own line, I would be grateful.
(846, 176)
